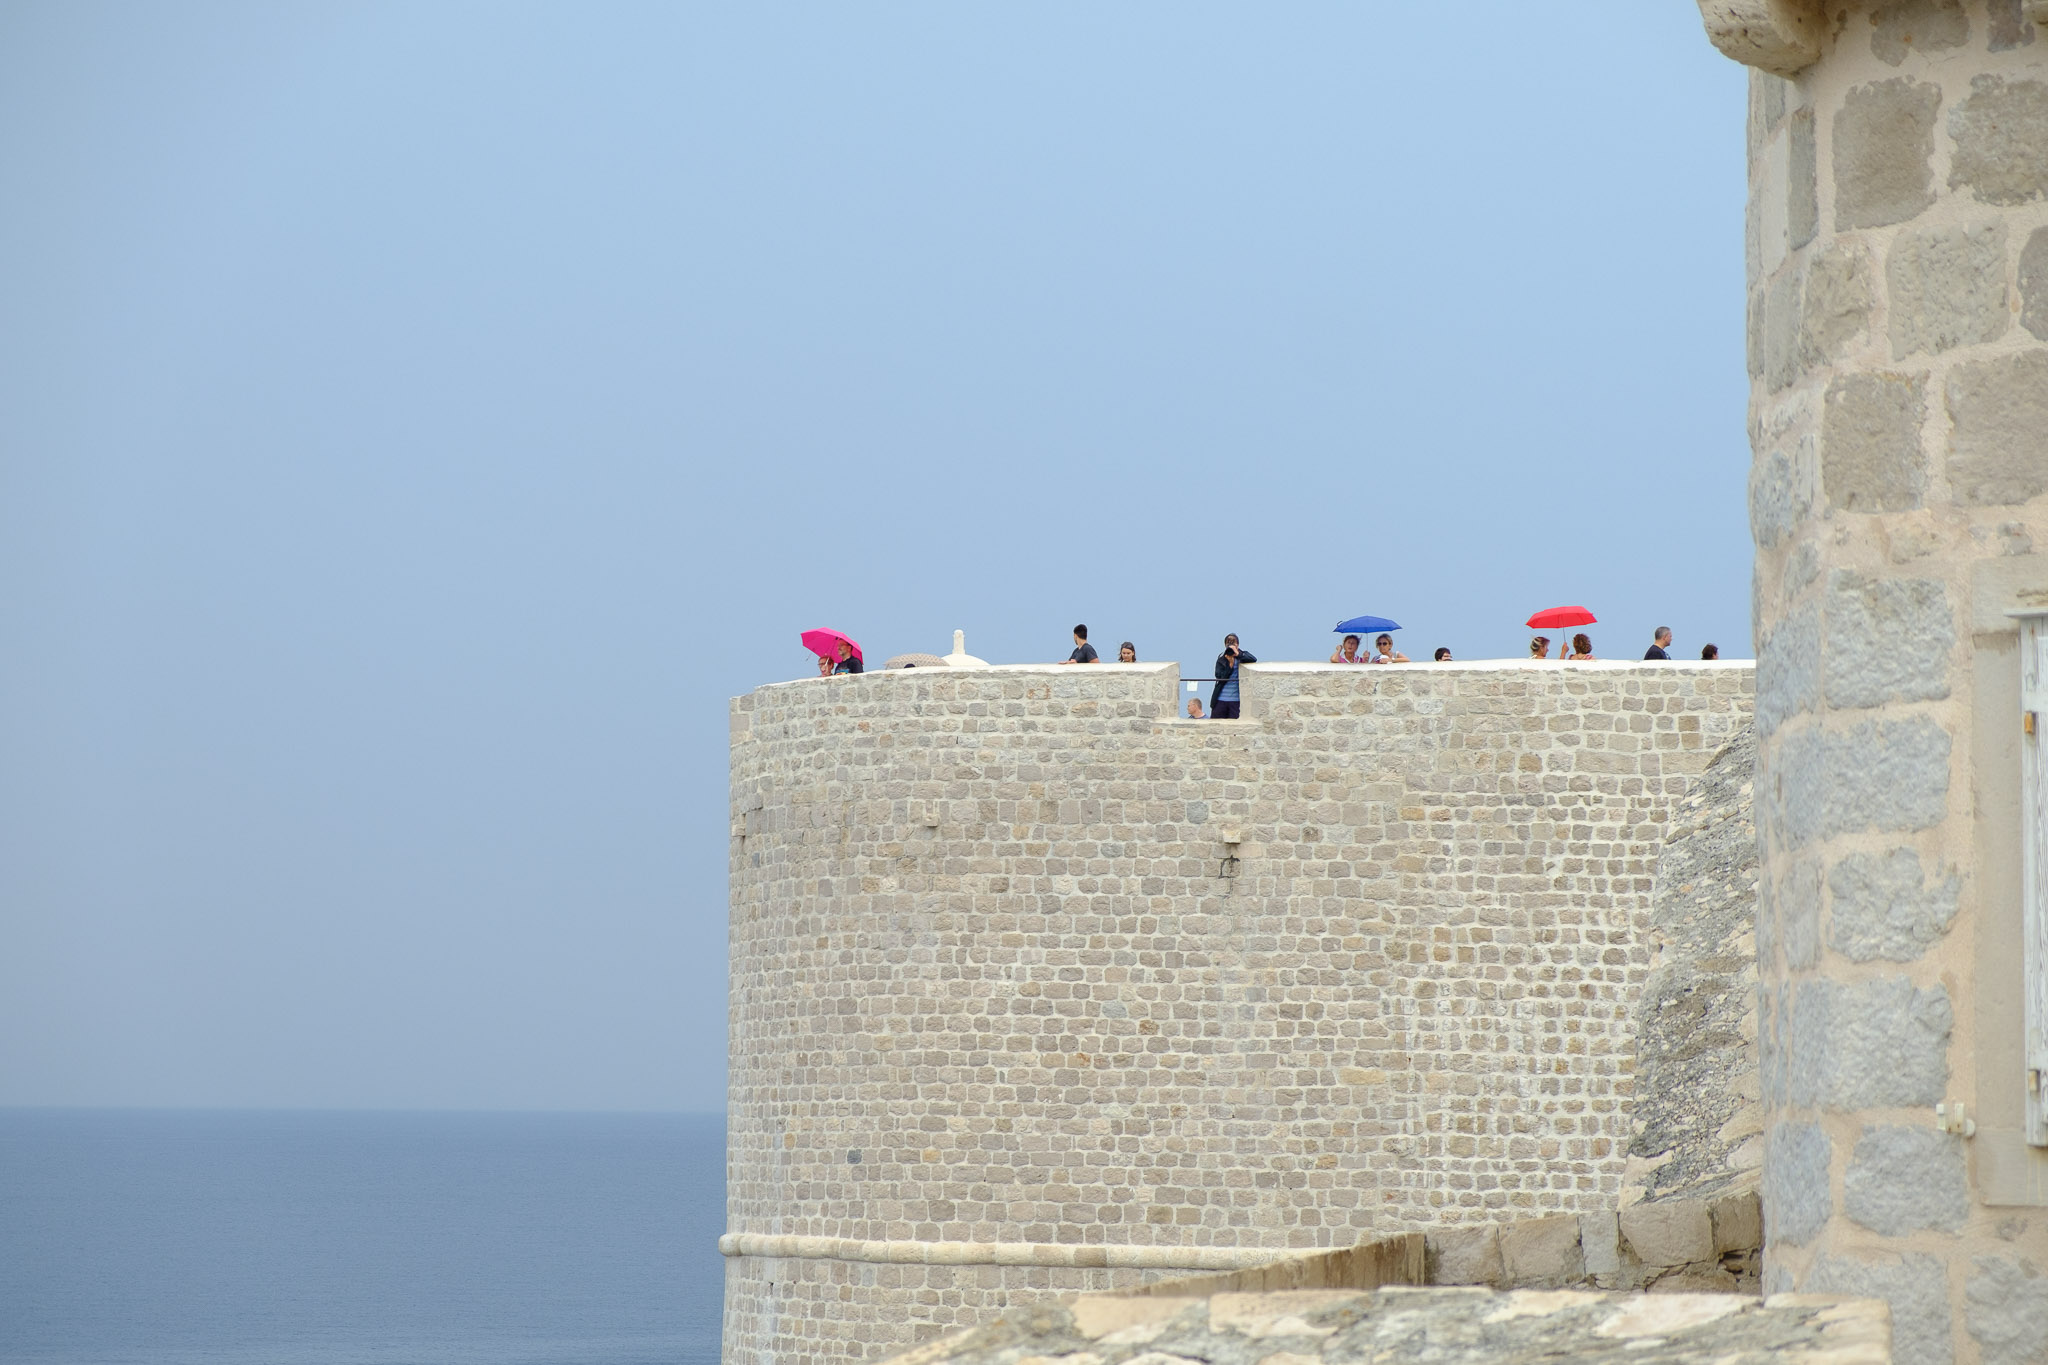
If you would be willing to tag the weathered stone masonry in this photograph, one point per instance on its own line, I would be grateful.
(1032, 980)
(1898, 354)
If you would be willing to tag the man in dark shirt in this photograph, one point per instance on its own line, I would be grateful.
(1084, 653)
(1656, 651)
(849, 662)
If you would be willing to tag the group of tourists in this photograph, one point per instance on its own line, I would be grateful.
(1224, 697)
(1580, 648)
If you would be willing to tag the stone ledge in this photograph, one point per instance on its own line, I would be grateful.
(1079, 1255)
(1698, 1245)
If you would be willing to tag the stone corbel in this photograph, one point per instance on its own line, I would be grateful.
(1778, 36)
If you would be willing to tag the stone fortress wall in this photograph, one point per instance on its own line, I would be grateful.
(1037, 988)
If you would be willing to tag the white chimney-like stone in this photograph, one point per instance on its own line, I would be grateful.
(960, 658)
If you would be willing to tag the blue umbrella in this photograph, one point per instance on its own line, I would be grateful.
(1358, 625)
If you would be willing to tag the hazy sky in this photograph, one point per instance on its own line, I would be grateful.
(417, 420)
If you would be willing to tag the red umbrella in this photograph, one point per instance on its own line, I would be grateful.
(1557, 618)
(825, 644)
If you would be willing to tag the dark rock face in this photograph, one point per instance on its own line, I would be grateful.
(1698, 1127)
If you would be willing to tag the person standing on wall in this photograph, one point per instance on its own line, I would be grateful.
(1663, 643)
(1084, 653)
(1223, 701)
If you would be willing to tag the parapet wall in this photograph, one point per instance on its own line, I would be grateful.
(1032, 981)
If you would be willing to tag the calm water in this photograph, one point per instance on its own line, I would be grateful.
(250, 1238)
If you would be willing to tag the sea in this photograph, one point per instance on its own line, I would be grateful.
(221, 1237)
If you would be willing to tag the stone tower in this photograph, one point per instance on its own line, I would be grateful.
(1039, 988)
(1898, 357)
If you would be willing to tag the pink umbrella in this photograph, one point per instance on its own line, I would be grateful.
(825, 644)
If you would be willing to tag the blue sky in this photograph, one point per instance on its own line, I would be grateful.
(416, 421)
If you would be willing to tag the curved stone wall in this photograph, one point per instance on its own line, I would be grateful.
(1019, 958)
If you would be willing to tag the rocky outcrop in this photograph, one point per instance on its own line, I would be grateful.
(1697, 1124)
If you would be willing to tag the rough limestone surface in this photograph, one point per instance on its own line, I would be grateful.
(1695, 1053)
(1916, 1287)
(1870, 457)
(1542, 1251)
(2010, 24)
(1904, 1179)
(1900, 27)
(1885, 907)
(1999, 407)
(1795, 1181)
(1867, 1044)
(1060, 969)
(2006, 1311)
(1836, 304)
(1797, 903)
(2033, 281)
(1466, 1255)
(1888, 639)
(2001, 136)
(1889, 775)
(1884, 149)
(1947, 286)
(1780, 495)
(1675, 1233)
(1803, 206)
(1441, 1326)
(1788, 669)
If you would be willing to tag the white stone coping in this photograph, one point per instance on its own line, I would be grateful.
(1001, 1253)
(1172, 669)
(1499, 666)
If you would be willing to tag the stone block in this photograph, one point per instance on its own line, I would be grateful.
(1788, 669)
(1753, 334)
(1738, 1222)
(1870, 452)
(1881, 908)
(1783, 309)
(1888, 640)
(1947, 287)
(2009, 27)
(1999, 410)
(2001, 134)
(1916, 1287)
(1600, 1244)
(1883, 146)
(1780, 496)
(1902, 26)
(1802, 207)
(1903, 1179)
(1835, 307)
(1797, 1199)
(2033, 282)
(1464, 1255)
(1538, 1252)
(2005, 1309)
(1890, 775)
(1678, 1232)
(1798, 903)
(1867, 1044)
